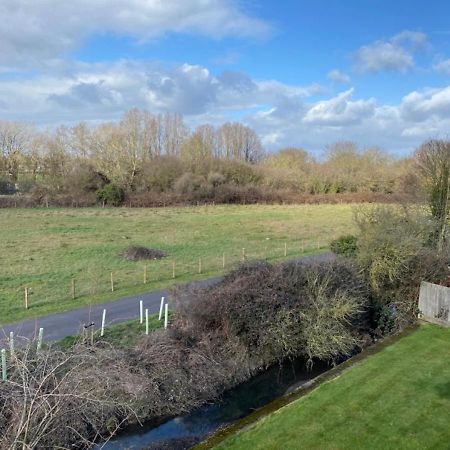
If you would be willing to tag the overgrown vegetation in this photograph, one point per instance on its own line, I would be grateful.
(217, 339)
(396, 253)
(147, 160)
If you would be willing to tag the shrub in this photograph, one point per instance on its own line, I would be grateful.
(83, 178)
(345, 246)
(111, 194)
(188, 183)
(7, 188)
(395, 255)
(275, 312)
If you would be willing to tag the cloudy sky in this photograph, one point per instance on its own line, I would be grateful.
(300, 72)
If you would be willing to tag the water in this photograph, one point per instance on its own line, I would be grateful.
(234, 405)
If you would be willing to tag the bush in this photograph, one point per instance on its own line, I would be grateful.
(276, 312)
(111, 194)
(7, 188)
(345, 246)
(395, 255)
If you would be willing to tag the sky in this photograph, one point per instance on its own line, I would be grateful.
(301, 73)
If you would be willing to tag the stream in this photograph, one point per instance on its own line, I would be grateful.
(234, 405)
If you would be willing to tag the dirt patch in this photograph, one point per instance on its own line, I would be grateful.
(137, 253)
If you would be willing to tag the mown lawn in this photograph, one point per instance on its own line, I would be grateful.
(396, 399)
(43, 249)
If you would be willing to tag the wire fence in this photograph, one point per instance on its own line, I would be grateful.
(143, 274)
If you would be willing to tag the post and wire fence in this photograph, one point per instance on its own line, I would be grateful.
(100, 282)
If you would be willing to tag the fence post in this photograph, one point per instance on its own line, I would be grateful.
(199, 265)
(285, 249)
(11, 343)
(141, 311)
(161, 308)
(146, 321)
(112, 282)
(166, 318)
(73, 288)
(4, 373)
(223, 261)
(40, 338)
(102, 332)
(173, 269)
(26, 298)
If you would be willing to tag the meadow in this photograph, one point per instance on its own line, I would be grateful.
(398, 398)
(43, 250)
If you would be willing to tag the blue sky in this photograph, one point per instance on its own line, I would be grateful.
(301, 73)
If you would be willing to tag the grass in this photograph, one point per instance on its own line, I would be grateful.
(122, 335)
(398, 398)
(44, 249)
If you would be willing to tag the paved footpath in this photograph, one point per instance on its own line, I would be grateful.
(69, 323)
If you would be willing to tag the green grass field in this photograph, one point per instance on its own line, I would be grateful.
(43, 249)
(396, 399)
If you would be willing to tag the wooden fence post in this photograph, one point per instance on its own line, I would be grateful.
(285, 249)
(112, 282)
(26, 298)
(223, 261)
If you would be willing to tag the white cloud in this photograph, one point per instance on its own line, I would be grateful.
(35, 32)
(428, 103)
(282, 114)
(340, 110)
(443, 66)
(395, 54)
(338, 77)
(416, 39)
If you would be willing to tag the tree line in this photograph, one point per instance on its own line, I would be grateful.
(146, 156)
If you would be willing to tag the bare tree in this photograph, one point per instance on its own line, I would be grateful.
(237, 141)
(433, 162)
(14, 138)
